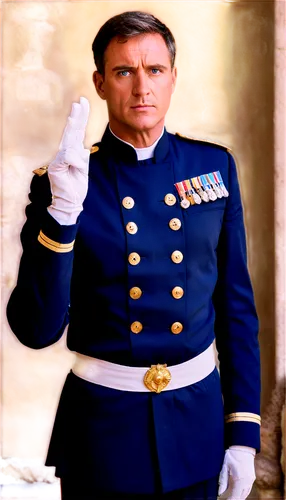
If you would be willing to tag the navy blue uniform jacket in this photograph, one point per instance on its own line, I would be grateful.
(126, 439)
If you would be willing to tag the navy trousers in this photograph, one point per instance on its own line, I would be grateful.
(73, 490)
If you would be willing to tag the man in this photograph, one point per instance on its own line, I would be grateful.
(141, 249)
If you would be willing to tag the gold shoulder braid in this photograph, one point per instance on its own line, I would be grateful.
(94, 149)
(199, 139)
(43, 170)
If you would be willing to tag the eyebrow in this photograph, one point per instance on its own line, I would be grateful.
(126, 67)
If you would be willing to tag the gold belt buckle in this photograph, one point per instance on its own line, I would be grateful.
(157, 378)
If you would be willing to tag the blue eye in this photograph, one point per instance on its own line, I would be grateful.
(155, 71)
(124, 73)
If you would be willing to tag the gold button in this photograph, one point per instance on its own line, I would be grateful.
(177, 292)
(176, 328)
(134, 258)
(177, 256)
(131, 228)
(135, 293)
(128, 202)
(175, 224)
(136, 327)
(170, 199)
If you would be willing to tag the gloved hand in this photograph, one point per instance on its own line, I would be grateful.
(238, 474)
(68, 172)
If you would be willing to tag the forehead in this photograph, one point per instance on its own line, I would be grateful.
(149, 47)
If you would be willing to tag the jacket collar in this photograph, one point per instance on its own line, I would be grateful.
(123, 153)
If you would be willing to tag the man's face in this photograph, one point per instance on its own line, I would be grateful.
(137, 84)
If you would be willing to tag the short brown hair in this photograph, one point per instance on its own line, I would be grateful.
(128, 25)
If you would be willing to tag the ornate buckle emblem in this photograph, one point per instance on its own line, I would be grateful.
(157, 378)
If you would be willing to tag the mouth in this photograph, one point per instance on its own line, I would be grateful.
(142, 107)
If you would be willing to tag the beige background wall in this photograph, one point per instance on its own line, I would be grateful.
(224, 93)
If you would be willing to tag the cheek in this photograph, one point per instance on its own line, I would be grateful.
(165, 95)
(113, 97)
(119, 94)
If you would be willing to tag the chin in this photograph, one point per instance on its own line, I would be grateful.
(144, 123)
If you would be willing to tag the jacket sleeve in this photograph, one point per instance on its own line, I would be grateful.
(236, 327)
(37, 310)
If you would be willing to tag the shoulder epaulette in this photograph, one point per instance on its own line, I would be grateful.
(207, 141)
(94, 149)
(43, 170)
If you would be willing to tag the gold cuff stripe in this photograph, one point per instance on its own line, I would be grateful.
(53, 248)
(243, 414)
(242, 419)
(54, 245)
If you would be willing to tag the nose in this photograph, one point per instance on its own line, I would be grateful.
(141, 84)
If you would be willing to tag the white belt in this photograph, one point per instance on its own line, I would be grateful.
(138, 379)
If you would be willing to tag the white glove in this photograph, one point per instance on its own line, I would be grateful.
(238, 473)
(68, 172)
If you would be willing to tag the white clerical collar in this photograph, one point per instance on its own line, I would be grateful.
(142, 153)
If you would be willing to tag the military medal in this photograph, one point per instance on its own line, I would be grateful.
(185, 203)
(192, 192)
(215, 186)
(200, 191)
(207, 187)
(188, 190)
(202, 186)
(196, 197)
(221, 184)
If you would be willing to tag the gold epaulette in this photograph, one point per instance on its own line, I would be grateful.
(43, 170)
(199, 139)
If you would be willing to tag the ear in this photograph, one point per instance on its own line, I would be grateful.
(98, 80)
(174, 78)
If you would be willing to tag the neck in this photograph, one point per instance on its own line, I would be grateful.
(138, 138)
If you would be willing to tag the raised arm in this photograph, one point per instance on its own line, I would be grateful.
(38, 307)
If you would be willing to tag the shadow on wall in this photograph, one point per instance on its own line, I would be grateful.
(250, 93)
